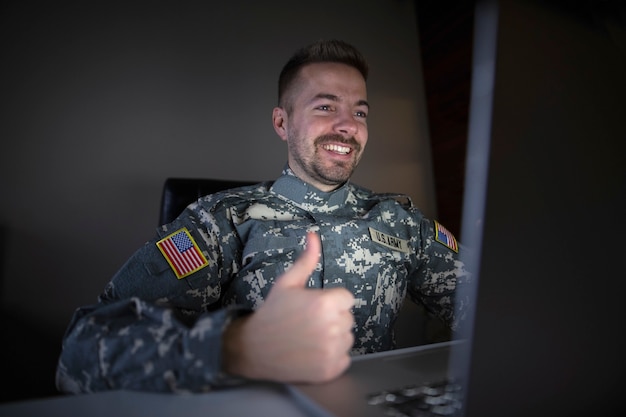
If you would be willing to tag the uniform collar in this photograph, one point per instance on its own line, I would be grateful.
(304, 195)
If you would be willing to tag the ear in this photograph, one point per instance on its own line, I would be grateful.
(279, 120)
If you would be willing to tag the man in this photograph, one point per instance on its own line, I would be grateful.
(279, 281)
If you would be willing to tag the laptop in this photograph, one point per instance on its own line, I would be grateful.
(544, 208)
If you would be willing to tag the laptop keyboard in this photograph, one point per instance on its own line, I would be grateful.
(443, 398)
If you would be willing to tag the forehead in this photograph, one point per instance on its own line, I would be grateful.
(333, 78)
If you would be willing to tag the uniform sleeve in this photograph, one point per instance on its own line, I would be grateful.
(152, 330)
(136, 345)
(438, 282)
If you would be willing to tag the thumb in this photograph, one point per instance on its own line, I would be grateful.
(299, 273)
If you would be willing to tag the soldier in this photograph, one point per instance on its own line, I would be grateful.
(282, 281)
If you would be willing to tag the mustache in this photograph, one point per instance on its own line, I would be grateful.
(320, 140)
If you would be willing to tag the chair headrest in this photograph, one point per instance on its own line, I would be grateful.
(178, 193)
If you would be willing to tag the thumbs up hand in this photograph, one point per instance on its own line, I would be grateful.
(298, 334)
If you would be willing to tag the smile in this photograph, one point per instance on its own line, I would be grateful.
(343, 150)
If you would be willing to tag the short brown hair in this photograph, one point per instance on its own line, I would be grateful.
(318, 52)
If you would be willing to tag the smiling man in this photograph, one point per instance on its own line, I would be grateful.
(282, 281)
(324, 122)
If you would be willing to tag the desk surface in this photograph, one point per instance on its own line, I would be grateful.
(344, 396)
(260, 400)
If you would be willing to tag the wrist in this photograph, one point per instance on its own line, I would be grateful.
(233, 347)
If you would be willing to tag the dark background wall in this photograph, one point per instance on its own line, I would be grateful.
(446, 33)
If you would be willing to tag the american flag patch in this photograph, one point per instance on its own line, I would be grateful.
(182, 253)
(443, 236)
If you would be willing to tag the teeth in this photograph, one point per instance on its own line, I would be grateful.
(336, 148)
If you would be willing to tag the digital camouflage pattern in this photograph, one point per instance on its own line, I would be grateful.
(152, 331)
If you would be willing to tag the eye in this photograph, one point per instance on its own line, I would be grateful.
(361, 114)
(324, 107)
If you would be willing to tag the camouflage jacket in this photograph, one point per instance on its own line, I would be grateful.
(158, 324)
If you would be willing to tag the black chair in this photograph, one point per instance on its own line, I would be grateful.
(178, 193)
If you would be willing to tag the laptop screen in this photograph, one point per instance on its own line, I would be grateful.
(477, 165)
(544, 212)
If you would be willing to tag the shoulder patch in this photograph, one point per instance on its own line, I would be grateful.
(443, 236)
(182, 253)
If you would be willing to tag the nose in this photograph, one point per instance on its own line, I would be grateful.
(345, 124)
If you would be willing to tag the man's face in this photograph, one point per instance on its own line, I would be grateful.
(326, 126)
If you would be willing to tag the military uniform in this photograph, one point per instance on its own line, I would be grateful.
(158, 324)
